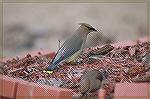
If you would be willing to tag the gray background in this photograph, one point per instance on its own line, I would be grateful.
(33, 26)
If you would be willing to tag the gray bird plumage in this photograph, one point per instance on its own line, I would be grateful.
(72, 45)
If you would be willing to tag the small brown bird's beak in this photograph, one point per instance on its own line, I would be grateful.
(100, 77)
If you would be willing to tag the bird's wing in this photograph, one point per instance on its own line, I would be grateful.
(69, 47)
(95, 84)
(84, 85)
(74, 56)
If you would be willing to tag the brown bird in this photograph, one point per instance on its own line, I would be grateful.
(91, 81)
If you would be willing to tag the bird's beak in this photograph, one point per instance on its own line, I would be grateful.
(100, 77)
(98, 31)
(93, 29)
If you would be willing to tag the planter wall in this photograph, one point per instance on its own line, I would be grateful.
(18, 89)
(132, 91)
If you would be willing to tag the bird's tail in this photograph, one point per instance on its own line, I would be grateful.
(51, 67)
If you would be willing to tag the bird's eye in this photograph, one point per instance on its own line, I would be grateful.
(91, 29)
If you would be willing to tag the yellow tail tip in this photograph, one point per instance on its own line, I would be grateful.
(49, 72)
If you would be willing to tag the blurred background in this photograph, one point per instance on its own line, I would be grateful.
(30, 27)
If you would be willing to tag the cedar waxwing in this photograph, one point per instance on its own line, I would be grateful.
(72, 47)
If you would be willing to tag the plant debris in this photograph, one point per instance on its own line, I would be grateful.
(123, 64)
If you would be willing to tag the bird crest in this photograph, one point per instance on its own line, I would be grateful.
(85, 24)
